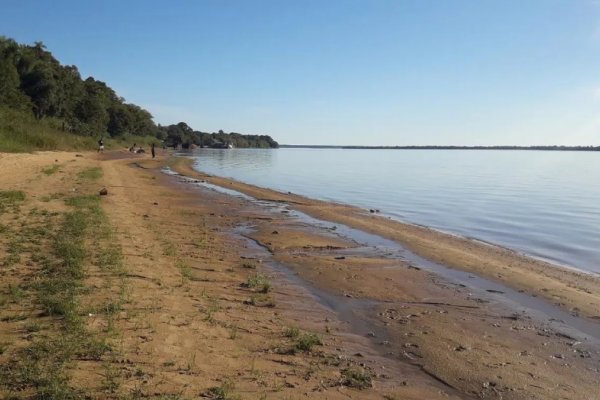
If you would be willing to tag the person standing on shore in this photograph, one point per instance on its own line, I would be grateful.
(152, 149)
(100, 145)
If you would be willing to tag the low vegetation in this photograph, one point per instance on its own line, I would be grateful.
(54, 248)
(258, 282)
(90, 174)
(356, 378)
(222, 392)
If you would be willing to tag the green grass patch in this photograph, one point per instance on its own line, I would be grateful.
(90, 202)
(306, 341)
(261, 300)
(169, 249)
(258, 282)
(223, 392)
(91, 174)
(111, 259)
(41, 367)
(53, 196)
(21, 132)
(356, 378)
(185, 270)
(51, 170)
(291, 332)
(10, 198)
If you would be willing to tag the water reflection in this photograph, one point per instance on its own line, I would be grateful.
(543, 203)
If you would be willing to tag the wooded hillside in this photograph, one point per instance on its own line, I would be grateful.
(35, 86)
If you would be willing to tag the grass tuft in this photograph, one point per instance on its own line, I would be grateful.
(291, 332)
(306, 341)
(258, 282)
(223, 392)
(10, 198)
(356, 378)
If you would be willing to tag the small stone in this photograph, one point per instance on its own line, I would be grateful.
(274, 233)
(103, 192)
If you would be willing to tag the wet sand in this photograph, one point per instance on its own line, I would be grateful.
(576, 292)
(190, 323)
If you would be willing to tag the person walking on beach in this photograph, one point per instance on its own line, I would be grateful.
(100, 145)
(152, 149)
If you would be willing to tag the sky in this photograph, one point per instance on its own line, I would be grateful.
(379, 72)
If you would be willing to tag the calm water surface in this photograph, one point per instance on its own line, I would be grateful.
(546, 204)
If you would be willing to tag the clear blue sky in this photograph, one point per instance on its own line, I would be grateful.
(340, 72)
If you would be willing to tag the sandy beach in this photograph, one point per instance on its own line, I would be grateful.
(228, 297)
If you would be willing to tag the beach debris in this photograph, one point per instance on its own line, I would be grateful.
(340, 258)
(103, 192)
(370, 334)
(372, 211)
(410, 266)
(494, 291)
(155, 203)
(78, 155)
(274, 233)
(460, 348)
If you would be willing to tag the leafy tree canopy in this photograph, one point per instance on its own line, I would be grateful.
(32, 81)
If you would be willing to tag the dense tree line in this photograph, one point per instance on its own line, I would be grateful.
(182, 134)
(33, 81)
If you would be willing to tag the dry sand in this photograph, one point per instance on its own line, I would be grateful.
(190, 324)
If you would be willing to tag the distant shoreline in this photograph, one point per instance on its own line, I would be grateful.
(536, 148)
